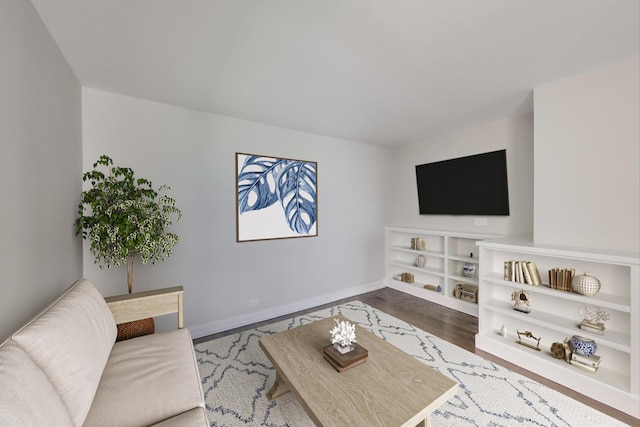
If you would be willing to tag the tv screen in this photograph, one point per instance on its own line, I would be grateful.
(471, 185)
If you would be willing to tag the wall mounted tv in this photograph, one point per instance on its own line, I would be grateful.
(471, 185)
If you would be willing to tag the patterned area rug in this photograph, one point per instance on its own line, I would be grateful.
(236, 376)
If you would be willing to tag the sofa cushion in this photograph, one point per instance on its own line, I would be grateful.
(27, 397)
(193, 418)
(147, 380)
(71, 341)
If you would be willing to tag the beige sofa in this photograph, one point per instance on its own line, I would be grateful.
(64, 368)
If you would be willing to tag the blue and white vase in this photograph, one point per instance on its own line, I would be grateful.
(583, 346)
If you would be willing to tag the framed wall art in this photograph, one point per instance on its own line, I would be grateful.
(276, 198)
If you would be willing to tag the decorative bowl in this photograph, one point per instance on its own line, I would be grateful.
(585, 284)
(583, 346)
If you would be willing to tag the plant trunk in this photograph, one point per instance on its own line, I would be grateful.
(130, 267)
(134, 328)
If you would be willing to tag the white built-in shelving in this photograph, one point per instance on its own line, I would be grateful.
(555, 316)
(445, 252)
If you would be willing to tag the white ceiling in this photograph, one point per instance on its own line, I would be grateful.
(376, 71)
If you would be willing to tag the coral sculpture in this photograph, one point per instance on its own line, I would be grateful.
(343, 334)
(594, 314)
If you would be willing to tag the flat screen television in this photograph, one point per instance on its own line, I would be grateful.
(471, 185)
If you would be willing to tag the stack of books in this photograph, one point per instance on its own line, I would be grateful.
(588, 363)
(406, 277)
(522, 272)
(342, 362)
(560, 278)
(417, 243)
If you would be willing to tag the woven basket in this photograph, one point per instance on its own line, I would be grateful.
(137, 328)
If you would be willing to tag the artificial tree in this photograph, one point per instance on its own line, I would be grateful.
(124, 217)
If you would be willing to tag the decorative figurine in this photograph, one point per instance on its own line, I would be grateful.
(522, 301)
(528, 334)
(435, 288)
(503, 331)
(557, 350)
(593, 318)
(343, 335)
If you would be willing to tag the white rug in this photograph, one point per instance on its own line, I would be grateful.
(236, 376)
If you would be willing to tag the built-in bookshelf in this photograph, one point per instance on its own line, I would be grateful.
(445, 256)
(555, 316)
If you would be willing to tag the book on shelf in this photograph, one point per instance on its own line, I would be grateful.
(535, 274)
(526, 273)
(522, 272)
(583, 366)
(593, 360)
(588, 363)
(508, 270)
(560, 278)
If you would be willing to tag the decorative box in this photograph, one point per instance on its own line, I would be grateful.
(466, 292)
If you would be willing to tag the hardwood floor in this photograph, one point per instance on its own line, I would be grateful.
(451, 325)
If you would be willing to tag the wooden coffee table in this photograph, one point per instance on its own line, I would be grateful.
(390, 389)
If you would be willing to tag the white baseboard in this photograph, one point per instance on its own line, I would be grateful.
(204, 329)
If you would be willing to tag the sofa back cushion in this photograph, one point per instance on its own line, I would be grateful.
(70, 341)
(27, 396)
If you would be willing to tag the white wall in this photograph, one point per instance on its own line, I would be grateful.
(194, 153)
(587, 154)
(513, 134)
(40, 165)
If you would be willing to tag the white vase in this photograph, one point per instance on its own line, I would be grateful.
(585, 284)
(421, 261)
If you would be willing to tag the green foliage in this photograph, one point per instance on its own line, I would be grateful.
(125, 217)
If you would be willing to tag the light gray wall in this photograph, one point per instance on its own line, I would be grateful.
(513, 134)
(587, 159)
(40, 165)
(194, 153)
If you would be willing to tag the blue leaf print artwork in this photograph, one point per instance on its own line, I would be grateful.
(263, 181)
(297, 190)
(256, 183)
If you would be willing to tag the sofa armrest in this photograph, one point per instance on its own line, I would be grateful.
(141, 305)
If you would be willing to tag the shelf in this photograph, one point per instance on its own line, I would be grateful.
(463, 258)
(540, 362)
(613, 302)
(462, 279)
(416, 285)
(571, 253)
(423, 270)
(445, 253)
(417, 289)
(408, 250)
(555, 315)
(569, 327)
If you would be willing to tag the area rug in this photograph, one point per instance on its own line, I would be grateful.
(236, 376)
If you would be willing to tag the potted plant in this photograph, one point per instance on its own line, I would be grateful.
(124, 217)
